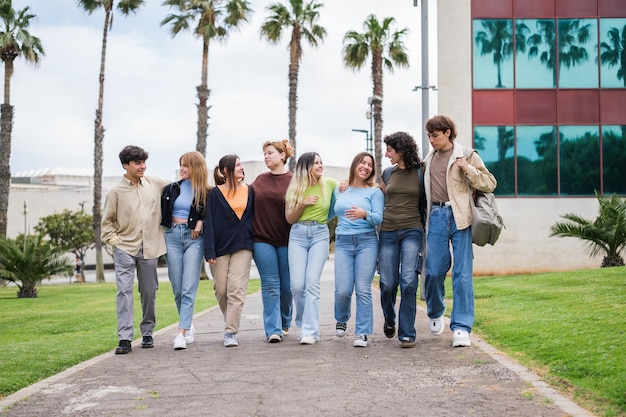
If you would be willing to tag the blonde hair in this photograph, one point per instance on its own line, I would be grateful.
(303, 179)
(198, 176)
(282, 146)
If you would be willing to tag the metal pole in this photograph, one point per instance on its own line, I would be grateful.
(425, 77)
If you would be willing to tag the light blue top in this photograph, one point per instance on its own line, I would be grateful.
(182, 204)
(370, 199)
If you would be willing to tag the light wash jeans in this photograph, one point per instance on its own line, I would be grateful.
(441, 232)
(398, 255)
(308, 251)
(355, 264)
(273, 265)
(184, 260)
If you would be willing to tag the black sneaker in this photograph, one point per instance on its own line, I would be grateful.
(390, 331)
(123, 348)
(340, 329)
(147, 342)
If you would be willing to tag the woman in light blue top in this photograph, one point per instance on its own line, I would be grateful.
(359, 210)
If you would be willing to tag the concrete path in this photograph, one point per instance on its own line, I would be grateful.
(331, 378)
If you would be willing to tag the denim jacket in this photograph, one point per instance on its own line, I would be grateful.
(170, 194)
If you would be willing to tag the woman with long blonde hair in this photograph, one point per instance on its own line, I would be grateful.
(309, 206)
(182, 214)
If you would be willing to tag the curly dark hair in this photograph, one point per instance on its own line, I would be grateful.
(404, 144)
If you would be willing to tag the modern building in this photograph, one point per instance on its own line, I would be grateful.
(538, 87)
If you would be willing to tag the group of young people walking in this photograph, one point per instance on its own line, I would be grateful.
(281, 220)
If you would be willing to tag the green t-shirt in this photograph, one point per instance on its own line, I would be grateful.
(319, 212)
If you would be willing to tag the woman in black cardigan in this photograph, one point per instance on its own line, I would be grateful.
(228, 241)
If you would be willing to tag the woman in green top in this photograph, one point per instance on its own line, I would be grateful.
(309, 206)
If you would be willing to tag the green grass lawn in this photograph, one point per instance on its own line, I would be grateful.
(568, 327)
(68, 324)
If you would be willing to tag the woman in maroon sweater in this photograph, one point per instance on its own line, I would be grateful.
(271, 237)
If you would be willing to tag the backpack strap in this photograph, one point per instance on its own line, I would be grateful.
(387, 174)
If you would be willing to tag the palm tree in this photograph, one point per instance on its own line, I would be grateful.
(606, 234)
(28, 265)
(387, 48)
(212, 19)
(302, 19)
(125, 7)
(15, 41)
(570, 33)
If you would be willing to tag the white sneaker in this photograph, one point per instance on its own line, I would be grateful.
(360, 341)
(307, 340)
(189, 335)
(230, 340)
(275, 338)
(179, 342)
(436, 326)
(461, 338)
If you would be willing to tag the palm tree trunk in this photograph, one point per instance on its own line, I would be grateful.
(6, 128)
(97, 154)
(203, 97)
(377, 79)
(295, 53)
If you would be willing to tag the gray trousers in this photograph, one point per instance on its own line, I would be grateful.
(125, 265)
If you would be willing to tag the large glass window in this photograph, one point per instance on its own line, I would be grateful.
(612, 52)
(493, 53)
(613, 157)
(579, 159)
(536, 160)
(578, 40)
(535, 55)
(495, 144)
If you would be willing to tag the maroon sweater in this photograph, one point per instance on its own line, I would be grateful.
(269, 223)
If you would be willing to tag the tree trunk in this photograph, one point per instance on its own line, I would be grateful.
(377, 79)
(97, 155)
(295, 53)
(6, 128)
(203, 97)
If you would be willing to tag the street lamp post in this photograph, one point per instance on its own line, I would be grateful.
(25, 224)
(368, 139)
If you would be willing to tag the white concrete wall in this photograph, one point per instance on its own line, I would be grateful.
(524, 246)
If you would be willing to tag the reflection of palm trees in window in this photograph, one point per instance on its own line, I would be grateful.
(571, 35)
(614, 53)
(496, 39)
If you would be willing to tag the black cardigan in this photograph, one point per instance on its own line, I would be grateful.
(169, 195)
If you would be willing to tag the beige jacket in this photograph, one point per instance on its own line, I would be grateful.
(458, 184)
(132, 217)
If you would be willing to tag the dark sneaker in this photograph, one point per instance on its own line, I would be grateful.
(147, 342)
(340, 329)
(390, 331)
(123, 348)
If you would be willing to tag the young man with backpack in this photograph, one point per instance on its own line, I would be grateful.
(449, 179)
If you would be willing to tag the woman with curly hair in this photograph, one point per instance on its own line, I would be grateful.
(271, 238)
(401, 236)
(309, 206)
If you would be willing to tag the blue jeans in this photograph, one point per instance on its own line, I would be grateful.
(184, 260)
(398, 263)
(308, 251)
(355, 264)
(441, 232)
(273, 265)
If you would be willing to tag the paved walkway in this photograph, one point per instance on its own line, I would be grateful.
(331, 378)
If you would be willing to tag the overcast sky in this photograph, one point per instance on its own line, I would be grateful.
(149, 97)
